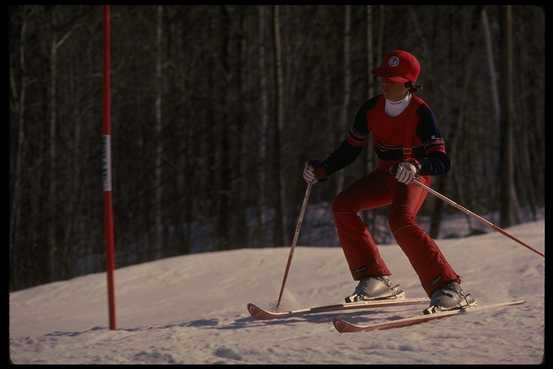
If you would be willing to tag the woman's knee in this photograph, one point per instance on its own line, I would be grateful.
(342, 204)
(399, 218)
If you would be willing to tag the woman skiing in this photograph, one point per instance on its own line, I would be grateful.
(408, 145)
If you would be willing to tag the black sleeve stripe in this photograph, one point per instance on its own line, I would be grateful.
(437, 141)
(435, 148)
(356, 141)
(359, 136)
(436, 145)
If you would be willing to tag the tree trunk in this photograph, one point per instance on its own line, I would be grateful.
(494, 88)
(184, 180)
(224, 168)
(526, 173)
(263, 128)
(158, 207)
(279, 223)
(371, 91)
(53, 228)
(240, 236)
(508, 210)
(211, 177)
(426, 59)
(491, 66)
(75, 186)
(53, 188)
(380, 35)
(16, 157)
(347, 89)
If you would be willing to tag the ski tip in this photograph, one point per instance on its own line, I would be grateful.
(340, 325)
(256, 312)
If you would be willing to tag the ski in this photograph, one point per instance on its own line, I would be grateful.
(343, 326)
(262, 314)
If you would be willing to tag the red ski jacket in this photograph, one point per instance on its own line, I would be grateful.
(412, 134)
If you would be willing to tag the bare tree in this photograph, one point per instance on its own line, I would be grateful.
(508, 210)
(240, 234)
(380, 34)
(341, 127)
(491, 66)
(18, 94)
(264, 123)
(54, 47)
(158, 230)
(426, 47)
(224, 158)
(371, 91)
(279, 224)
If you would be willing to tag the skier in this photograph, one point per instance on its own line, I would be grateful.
(408, 145)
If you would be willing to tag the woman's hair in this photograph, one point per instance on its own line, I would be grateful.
(413, 88)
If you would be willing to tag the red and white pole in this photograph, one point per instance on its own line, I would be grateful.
(106, 170)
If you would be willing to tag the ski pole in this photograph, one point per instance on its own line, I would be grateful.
(295, 240)
(485, 221)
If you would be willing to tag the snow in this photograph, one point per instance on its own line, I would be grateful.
(192, 310)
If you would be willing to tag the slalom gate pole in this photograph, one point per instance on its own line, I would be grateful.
(106, 169)
(485, 221)
(294, 241)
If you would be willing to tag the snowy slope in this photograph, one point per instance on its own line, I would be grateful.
(192, 309)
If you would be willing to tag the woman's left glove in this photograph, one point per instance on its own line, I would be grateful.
(406, 171)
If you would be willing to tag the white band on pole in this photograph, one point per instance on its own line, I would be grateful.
(106, 163)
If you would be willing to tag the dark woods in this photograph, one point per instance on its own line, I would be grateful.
(215, 109)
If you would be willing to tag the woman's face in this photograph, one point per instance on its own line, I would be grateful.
(393, 90)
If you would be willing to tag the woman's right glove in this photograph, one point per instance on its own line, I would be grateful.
(314, 172)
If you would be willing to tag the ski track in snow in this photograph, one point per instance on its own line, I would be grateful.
(192, 310)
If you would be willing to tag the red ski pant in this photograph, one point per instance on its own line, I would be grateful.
(380, 189)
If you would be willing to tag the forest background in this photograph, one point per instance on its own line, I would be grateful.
(215, 110)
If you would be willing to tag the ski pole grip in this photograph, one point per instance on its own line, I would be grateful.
(316, 164)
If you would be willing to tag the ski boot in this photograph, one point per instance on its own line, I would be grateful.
(449, 297)
(375, 288)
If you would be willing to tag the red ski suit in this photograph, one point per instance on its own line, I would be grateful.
(410, 136)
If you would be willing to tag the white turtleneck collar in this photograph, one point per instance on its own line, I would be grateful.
(395, 108)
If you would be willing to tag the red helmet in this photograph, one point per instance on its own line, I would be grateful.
(399, 66)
